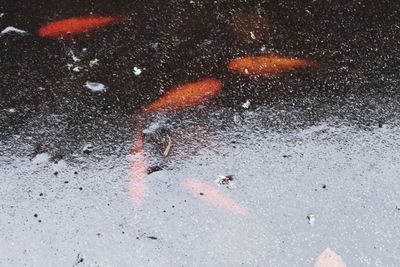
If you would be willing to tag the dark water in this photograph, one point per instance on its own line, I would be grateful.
(356, 44)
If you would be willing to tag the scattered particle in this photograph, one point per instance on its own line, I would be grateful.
(76, 69)
(75, 172)
(12, 29)
(398, 206)
(88, 148)
(55, 173)
(311, 218)
(201, 194)
(66, 182)
(95, 86)
(41, 194)
(39, 221)
(246, 104)
(93, 62)
(11, 110)
(225, 180)
(137, 71)
(35, 215)
(80, 188)
(152, 237)
(324, 186)
(153, 169)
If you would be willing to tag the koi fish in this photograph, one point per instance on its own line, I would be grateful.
(329, 259)
(214, 197)
(186, 96)
(76, 25)
(138, 168)
(266, 65)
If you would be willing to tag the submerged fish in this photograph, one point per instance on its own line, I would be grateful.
(187, 95)
(138, 168)
(329, 259)
(75, 25)
(212, 196)
(266, 65)
(178, 98)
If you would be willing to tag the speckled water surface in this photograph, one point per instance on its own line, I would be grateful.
(313, 154)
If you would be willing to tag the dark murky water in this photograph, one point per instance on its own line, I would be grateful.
(175, 42)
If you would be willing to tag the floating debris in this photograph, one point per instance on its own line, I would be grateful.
(398, 206)
(12, 29)
(137, 71)
(152, 169)
(311, 219)
(77, 69)
(95, 87)
(168, 147)
(93, 62)
(88, 148)
(225, 180)
(237, 119)
(246, 104)
(11, 110)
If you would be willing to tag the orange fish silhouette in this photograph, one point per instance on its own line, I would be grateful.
(186, 96)
(266, 65)
(178, 98)
(214, 197)
(138, 168)
(76, 25)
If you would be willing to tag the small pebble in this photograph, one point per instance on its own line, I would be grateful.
(311, 218)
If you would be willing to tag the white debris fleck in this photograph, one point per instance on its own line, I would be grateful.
(77, 69)
(263, 48)
(93, 62)
(12, 29)
(237, 119)
(137, 71)
(11, 110)
(74, 58)
(95, 87)
(88, 148)
(311, 219)
(246, 104)
(252, 35)
(1, 15)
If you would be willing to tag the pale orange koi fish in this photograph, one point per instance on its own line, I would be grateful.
(186, 96)
(75, 25)
(329, 259)
(178, 98)
(212, 196)
(138, 168)
(266, 65)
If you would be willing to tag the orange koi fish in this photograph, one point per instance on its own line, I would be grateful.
(186, 96)
(329, 259)
(214, 197)
(138, 168)
(266, 65)
(76, 25)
